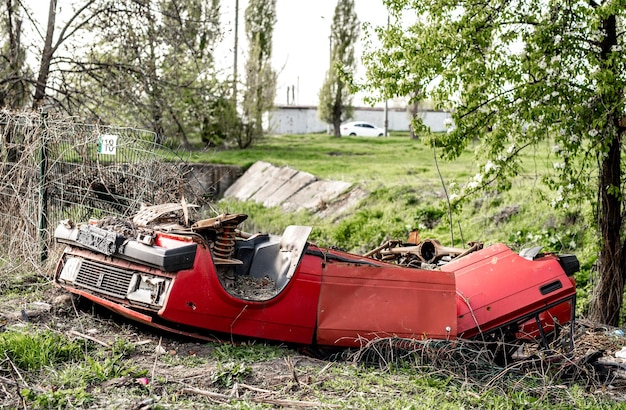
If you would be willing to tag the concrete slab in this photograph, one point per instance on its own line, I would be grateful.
(250, 182)
(343, 204)
(293, 190)
(316, 195)
(298, 182)
(277, 177)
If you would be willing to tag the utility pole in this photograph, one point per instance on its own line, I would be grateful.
(387, 99)
(235, 53)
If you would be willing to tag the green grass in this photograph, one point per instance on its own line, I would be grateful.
(395, 160)
(30, 351)
(74, 383)
(70, 366)
(406, 192)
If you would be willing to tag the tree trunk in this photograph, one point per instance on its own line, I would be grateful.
(46, 57)
(337, 128)
(606, 304)
(338, 110)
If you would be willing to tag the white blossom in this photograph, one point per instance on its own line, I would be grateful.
(593, 132)
(559, 194)
(490, 166)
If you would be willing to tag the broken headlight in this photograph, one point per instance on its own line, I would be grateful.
(71, 267)
(148, 289)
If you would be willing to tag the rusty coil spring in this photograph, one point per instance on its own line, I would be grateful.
(225, 244)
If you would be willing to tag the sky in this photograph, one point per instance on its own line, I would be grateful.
(301, 45)
(301, 41)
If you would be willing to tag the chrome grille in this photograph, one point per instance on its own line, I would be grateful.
(105, 279)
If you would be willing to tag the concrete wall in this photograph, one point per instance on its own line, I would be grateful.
(209, 180)
(291, 119)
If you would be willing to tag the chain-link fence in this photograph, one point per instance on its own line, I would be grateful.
(55, 169)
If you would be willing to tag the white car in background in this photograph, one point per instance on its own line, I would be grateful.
(361, 129)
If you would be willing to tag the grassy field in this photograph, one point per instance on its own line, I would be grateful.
(390, 161)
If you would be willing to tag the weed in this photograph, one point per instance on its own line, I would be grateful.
(90, 371)
(35, 350)
(191, 360)
(57, 399)
(429, 216)
(248, 352)
(122, 347)
(230, 373)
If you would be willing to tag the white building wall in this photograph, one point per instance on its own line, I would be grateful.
(291, 119)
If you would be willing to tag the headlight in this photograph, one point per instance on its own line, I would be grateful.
(71, 266)
(148, 289)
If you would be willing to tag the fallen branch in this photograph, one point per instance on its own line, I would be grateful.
(256, 389)
(93, 339)
(292, 369)
(8, 381)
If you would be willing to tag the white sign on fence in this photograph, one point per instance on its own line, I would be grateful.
(107, 144)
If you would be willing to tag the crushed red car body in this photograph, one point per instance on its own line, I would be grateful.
(208, 279)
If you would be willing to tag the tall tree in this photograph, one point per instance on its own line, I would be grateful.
(515, 73)
(155, 59)
(260, 88)
(15, 76)
(77, 21)
(335, 104)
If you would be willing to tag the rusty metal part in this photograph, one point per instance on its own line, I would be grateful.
(225, 243)
(474, 246)
(425, 254)
(225, 227)
(414, 237)
(430, 250)
(219, 221)
(385, 245)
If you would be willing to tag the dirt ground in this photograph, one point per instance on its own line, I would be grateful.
(174, 366)
(180, 372)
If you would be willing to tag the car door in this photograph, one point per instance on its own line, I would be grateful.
(368, 130)
(366, 301)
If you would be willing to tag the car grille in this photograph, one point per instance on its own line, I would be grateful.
(104, 278)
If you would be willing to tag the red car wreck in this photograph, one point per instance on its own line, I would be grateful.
(208, 279)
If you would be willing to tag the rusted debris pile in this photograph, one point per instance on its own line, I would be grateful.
(416, 253)
(252, 288)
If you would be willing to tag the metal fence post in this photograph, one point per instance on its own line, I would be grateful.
(43, 188)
